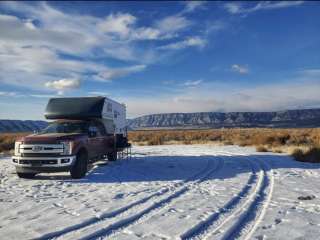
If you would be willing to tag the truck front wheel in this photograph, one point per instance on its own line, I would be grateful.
(80, 167)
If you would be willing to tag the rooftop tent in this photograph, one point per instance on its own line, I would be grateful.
(75, 108)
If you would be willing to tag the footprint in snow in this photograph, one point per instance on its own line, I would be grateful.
(172, 210)
(185, 217)
(277, 221)
(118, 196)
(59, 205)
(268, 227)
(261, 237)
(309, 197)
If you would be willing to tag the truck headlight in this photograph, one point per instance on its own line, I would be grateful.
(17, 148)
(67, 148)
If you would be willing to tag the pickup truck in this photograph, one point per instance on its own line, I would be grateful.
(65, 145)
(84, 129)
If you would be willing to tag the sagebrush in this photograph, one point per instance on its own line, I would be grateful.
(242, 137)
(7, 140)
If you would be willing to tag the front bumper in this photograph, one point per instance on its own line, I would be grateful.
(61, 163)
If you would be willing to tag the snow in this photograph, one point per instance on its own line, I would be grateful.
(167, 192)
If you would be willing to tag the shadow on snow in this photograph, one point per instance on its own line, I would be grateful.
(175, 168)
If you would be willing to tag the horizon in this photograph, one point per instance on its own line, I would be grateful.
(286, 110)
(172, 57)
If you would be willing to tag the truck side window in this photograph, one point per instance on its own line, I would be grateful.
(93, 128)
(101, 128)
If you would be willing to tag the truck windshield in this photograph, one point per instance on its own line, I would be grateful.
(66, 127)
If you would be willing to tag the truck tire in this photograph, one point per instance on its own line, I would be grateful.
(80, 167)
(25, 175)
(112, 156)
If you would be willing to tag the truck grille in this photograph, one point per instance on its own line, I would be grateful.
(41, 149)
(39, 154)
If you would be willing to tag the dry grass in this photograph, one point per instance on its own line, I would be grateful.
(271, 138)
(7, 140)
(261, 149)
(264, 139)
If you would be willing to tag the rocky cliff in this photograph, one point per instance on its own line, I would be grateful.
(290, 118)
(21, 126)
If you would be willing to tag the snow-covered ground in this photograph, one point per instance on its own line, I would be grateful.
(168, 192)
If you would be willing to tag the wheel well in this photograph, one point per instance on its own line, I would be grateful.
(82, 151)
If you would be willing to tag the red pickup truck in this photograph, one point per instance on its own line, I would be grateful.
(69, 144)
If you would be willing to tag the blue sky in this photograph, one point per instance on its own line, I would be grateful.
(160, 57)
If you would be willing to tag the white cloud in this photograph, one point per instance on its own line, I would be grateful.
(238, 7)
(191, 6)
(119, 23)
(16, 31)
(239, 69)
(97, 93)
(124, 25)
(35, 39)
(215, 26)
(172, 24)
(63, 84)
(315, 72)
(223, 97)
(233, 7)
(32, 67)
(193, 83)
(189, 42)
(113, 73)
(30, 56)
(7, 94)
(42, 95)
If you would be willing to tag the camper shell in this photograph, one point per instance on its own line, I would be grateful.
(112, 113)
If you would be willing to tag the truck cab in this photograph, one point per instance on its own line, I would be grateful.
(68, 144)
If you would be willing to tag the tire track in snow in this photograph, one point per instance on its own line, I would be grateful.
(203, 228)
(122, 210)
(250, 219)
(146, 213)
(248, 213)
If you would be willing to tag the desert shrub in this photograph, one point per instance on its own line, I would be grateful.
(277, 150)
(227, 142)
(298, 154)
(261, 149)
(7, 140)
(156, 140)
(243, 144)
(311, 155)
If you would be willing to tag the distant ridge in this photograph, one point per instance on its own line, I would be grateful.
(280, 119)
(288, 119)
(9, 126)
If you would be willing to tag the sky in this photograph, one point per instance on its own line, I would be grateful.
(160, 57)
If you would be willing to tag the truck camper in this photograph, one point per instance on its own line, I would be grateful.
(82, 130)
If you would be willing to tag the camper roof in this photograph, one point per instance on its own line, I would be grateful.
(75, 108)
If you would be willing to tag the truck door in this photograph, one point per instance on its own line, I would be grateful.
(93, 141)
(106, 140)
